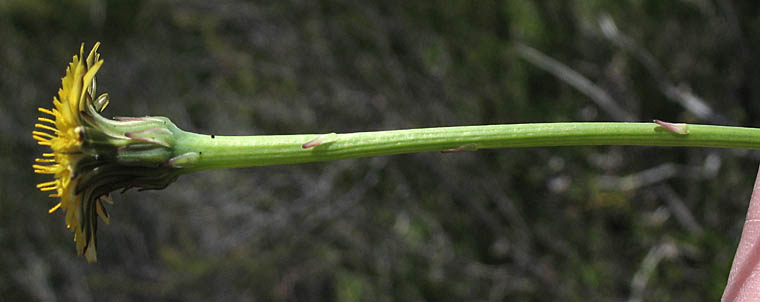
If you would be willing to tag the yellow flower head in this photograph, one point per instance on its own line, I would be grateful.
(62, 130)
(92, 156)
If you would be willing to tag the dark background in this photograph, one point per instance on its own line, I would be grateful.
(571, 223)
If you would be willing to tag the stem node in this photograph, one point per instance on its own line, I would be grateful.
(681, 129)
(320, 140)
(467, 147)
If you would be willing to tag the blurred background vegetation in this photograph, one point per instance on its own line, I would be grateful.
(576, 223)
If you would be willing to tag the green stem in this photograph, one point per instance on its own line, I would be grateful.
(247, 151)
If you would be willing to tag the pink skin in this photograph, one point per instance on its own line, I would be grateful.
(673, 127)
(744, 278)
(454, 149)
(320, 140)
(313, 143)
(134, 136)
(467, 147)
